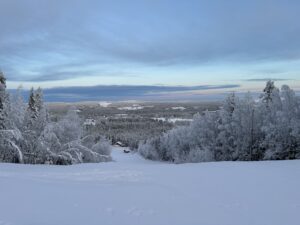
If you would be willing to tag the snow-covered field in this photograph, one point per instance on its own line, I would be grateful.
(104, 104)
(133, 191)
(178, 108)
(172, 120)
(133, 107)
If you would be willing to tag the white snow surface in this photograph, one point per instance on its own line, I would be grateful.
(172, 120)
(89, 122)
(134, 191)
(133, 107)
(178, 108)
(104, 104)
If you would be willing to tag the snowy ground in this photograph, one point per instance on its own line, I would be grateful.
(133, 191)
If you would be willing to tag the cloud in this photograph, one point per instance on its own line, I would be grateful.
(127, 92)
(38, 34)
(267, 79)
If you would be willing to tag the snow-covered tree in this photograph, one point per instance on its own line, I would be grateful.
(9, 136)
(48, 140)
(204, 133)
(27, 134)
(279, 141)
(148, 149)
(36, 116)
(177, 145)
(36, 119)
(69, 128)
(17, 108)
(194, 143)
(102, 147)
(247, 123)
(290, 104)
(9, 150)
(4, 104)
(242, 129)
(43, 117)
(226, 142)
(267, 96)
(31, 112)
(62, 144)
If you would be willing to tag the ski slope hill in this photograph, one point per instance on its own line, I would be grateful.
(135, 191)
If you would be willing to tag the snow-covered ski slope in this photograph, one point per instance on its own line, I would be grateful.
(134, 191)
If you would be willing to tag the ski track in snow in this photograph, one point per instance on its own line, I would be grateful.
(132, 190)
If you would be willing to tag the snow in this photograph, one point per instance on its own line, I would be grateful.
(20, 154)
(132, 190)
(104, 104)
(133, 107)
(172, 120)
(121, 115)
(89, 122)
(178, 108)
(160, 119)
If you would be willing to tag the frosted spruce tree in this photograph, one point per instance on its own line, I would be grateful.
(17, 108)
(4, 104)
(247, 125)
(32, 111)
(36, 119)
(280, 141)
(267, 96)
(226, 140)
(9, 136)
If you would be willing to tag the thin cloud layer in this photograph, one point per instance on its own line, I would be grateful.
(128, 92)
(266, 79)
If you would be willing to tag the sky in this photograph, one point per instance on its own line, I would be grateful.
(76, 43)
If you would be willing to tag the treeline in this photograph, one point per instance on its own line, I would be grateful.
(242, 129)
(27, 135)
(129, 131)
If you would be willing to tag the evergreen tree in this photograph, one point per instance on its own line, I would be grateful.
(9, 150)
(31, 112)
(42, 115)
(226, 140)
(17, 108)
(230, 104)
(35, 121)
(36, 116)
(3, 103)
(268, 92)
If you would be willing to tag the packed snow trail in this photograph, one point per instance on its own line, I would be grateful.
(134, 191)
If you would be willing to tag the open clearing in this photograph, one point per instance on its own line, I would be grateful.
(132, 191)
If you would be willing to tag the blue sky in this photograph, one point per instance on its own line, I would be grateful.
(55, 43)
